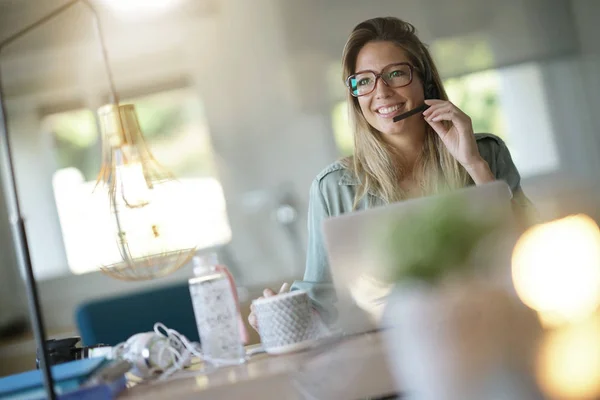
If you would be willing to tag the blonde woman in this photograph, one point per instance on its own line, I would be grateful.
(389, 71)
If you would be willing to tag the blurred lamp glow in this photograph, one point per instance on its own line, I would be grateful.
(568, 366)
(556, 268)
(140, 8)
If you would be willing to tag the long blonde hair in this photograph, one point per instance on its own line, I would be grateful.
(373, 162)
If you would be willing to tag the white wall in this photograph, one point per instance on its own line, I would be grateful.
(529, 130)
(572, 85)
(260, 68)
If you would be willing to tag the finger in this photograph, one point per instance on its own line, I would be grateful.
(442, 109)
(253, 321)
(284, 287)
(461, 121)
(432, 102)
(433, 108)
(268, 292)
(444, 116)
(438, 127)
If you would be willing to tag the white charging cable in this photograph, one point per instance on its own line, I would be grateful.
(162, 352)
(159, 353)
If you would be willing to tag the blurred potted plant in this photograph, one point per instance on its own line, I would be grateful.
(453, 334)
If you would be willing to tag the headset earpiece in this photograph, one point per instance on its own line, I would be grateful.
(429, 87)
(431, 91)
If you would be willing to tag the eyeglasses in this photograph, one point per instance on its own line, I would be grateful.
(394, 75)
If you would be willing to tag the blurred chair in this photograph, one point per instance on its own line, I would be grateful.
(113, 320)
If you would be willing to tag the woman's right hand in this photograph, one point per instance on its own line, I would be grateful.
(252, 320)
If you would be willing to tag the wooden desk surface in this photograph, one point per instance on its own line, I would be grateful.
(352, 368)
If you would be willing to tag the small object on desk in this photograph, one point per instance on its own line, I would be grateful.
(67, 349)
(67, 376)
(410, 113)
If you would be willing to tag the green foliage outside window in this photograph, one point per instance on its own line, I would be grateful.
(172, 123)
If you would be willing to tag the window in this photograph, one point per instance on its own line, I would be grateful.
(478, 95)
(341, 129)
(174, 126)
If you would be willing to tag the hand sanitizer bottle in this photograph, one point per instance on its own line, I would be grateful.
(216, 308)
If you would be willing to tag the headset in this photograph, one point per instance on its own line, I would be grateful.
(430, 90)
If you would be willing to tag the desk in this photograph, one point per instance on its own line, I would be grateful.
(352, 368)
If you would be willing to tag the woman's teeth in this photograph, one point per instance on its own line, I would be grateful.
(388, 110)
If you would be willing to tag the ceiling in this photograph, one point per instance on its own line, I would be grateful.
(65, 49)
(64, 52)
(75, 24)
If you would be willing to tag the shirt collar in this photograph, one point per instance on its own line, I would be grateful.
(348, 179)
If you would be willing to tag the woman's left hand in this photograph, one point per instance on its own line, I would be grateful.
(458, 138)
(458, 135)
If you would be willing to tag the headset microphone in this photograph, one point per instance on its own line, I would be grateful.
(410, 113)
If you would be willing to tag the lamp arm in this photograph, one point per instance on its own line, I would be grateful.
(17, 220)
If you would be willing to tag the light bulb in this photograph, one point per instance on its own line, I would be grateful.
(556, 268)
(134, 188)
(131, 9)
(151, 234)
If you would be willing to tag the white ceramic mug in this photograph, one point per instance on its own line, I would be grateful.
(285, 322)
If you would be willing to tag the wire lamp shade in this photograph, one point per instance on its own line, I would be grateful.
(143, 197)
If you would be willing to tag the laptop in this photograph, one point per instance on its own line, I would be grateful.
(352, 240)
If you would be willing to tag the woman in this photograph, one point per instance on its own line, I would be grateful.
(389, 71)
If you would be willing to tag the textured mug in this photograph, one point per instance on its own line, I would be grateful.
(285, 322)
